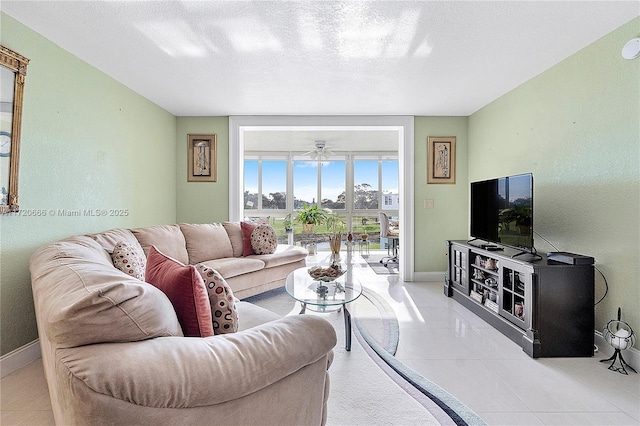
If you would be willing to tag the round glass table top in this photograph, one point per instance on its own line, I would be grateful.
(308, 291)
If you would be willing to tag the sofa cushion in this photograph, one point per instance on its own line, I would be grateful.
(185, 288)
(167, 238)
(129, 259)
(223, 309)
(86, 300)
(264, 239)
(109, 239)
(233, 266)
(253, 315)
(206, 241)
(234, 231)
(283, 255)
(247, 229)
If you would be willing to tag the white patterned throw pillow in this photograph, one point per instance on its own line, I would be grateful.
(129, 260)
(223, 305)
(264, 239)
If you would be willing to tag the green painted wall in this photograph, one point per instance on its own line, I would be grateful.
(202, 202)
(447, 220)
(88, 142)
(577, 128)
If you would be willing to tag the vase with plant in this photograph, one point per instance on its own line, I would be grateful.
(337, 227)
(286, 222)
(309, 216)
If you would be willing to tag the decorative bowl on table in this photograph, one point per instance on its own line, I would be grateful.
(327, 274)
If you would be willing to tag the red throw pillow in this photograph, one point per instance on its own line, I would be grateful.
(185, 288)
(247, 229)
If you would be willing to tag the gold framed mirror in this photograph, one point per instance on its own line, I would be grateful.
(13, 69)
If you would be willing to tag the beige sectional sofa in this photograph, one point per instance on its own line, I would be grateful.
(114, 352)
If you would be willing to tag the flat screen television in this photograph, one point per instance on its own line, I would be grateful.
(502, 211)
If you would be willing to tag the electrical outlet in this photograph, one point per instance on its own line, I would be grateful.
(428, 203)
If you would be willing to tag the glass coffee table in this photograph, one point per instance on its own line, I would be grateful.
(329, 296)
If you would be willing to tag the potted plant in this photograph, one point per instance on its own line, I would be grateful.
(286, 222)
(309, 216)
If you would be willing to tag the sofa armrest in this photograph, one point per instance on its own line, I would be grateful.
(180, 372)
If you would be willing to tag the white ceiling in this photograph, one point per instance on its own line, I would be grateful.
(322, 57)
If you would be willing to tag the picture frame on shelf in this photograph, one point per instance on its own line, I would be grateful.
(202, 158)
(441, 159)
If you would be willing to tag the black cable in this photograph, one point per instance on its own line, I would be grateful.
(606, 284)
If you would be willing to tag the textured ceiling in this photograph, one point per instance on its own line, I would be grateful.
(322, 57)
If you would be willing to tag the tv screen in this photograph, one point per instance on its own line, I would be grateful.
(502, 211)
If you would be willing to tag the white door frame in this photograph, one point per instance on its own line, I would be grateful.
(404, 126)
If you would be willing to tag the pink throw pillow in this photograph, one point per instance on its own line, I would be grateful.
(185, 288)
(247, 230)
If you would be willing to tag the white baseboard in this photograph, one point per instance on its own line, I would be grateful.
(631, 356)
(20, 357)
(429, 276)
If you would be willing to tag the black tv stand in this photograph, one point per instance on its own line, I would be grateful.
(546, 307)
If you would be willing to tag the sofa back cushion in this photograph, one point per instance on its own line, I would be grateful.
(235, 236)
(206, 241)
(166, 238)
(81, 298)
(185, 288)
(109, 239)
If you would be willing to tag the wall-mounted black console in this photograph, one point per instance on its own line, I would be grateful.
(546, 307)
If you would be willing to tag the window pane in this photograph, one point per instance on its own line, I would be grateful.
(250, 184)
(369, 225)
(390, 194)
(365, 179)
(274, 184)
(305, 183)
(333, 191)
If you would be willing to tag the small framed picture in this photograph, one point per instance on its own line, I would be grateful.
(441, 159)
(202, 158)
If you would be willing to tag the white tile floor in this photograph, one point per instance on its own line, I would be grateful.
(455, 349)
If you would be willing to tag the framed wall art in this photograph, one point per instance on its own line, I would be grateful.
(202, 158)
(441, 159)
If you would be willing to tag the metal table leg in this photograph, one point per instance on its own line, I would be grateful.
(347, 328)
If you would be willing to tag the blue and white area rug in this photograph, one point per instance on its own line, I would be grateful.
(368, 385)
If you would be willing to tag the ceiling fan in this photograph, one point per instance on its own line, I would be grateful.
(321, 152)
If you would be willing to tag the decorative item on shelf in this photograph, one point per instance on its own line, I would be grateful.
(620, 336)
(491, 282)
(478, 274)
(490, 264)
(518, 310)
(476, 296)
(491, 305)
